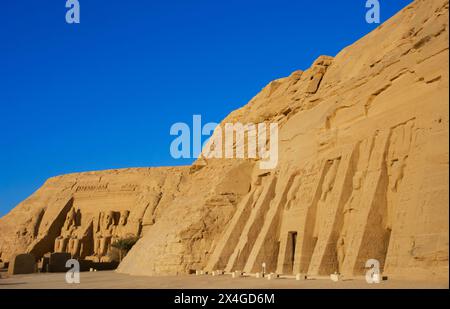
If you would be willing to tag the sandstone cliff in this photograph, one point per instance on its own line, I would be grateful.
(35, 224)
(362, 174)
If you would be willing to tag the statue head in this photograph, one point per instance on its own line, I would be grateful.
(108, 217)
(70, 218)
(124, 217)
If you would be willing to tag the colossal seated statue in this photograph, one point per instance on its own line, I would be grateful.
(121, 229)
(66, 231)
(103, 231)
(72, 235)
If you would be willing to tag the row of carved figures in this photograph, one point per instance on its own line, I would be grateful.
(92, 240)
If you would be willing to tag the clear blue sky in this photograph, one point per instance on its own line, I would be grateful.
(103, 94)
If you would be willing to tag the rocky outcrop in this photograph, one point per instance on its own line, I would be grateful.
(362, 173)
(83, 213)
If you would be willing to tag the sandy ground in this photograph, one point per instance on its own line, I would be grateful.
(112, 280)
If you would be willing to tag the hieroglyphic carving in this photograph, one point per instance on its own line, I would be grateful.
(95, 187)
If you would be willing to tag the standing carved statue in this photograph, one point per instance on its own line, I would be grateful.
(349, 207)
(328, 182)
(74, 245)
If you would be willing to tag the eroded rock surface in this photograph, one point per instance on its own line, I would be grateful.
(362, 174)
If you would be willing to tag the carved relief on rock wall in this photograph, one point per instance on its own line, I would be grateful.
(368, 214)
(338, 213)
(93, 239)
(72, 238)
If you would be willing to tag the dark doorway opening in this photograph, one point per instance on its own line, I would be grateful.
(290, 254)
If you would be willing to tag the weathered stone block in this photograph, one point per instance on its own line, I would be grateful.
(57, 262)
(22, 264)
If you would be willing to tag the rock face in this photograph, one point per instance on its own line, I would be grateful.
(362, 174)
(82, 214)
